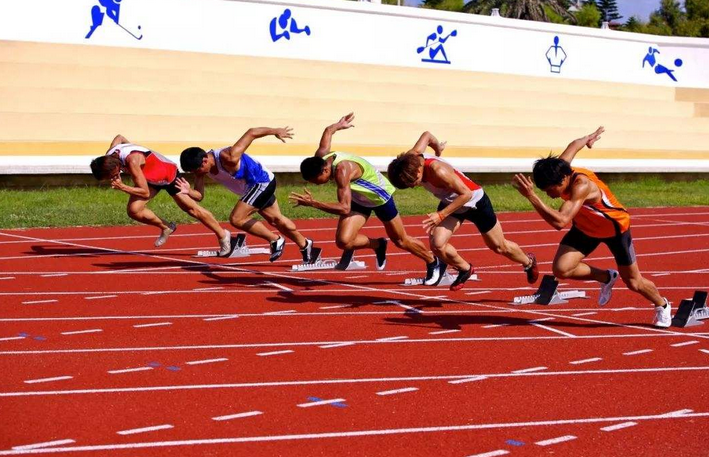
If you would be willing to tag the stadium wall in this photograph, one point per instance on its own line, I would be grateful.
(172, 73)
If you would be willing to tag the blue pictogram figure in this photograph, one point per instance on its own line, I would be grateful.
(659, 68)
(438, 39)
(556, 56)
(282, 23)
(113, 11)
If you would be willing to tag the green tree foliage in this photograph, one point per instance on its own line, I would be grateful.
(533, 10)
(589, 16)
(609, 10)
(446, 5)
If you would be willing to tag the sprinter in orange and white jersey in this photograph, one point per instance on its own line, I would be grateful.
(151, 173)
(597, 217)
(461, 199)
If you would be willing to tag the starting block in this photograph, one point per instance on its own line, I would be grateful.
(346, 263)
(691, 312)
(446, 280)
(238, 249)
(548, 294)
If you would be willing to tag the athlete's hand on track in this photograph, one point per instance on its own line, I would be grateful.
(593, 137)
(301, 199)
(282, 134)
(523, 184)
(345, 122)
(432, 222)
(183, 185)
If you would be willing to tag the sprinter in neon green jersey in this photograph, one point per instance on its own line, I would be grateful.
(361, 189)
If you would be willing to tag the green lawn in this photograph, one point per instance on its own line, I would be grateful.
(61, 207)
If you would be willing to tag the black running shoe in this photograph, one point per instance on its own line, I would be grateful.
(277, 248)
(462, 277)
(345, 260)
(381, 253)
(435, 271)
(307, 251)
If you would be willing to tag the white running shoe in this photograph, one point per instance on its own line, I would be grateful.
(663, 315)
(277, 248)
(607, 288)
(162, 239)
(225, 245)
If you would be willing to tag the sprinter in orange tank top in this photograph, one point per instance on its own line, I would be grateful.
(597, 218)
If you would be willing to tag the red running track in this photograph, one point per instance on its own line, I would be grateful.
(112, 347)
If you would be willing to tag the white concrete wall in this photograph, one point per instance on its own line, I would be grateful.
(364, 32)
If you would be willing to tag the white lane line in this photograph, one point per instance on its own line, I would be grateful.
(130, 370)
(472, 379)
(686, 343)
(411, 308)
(236, 416)
(612, 428)
(208, 288)
(478, 292)
(278, 286)
(321, 402)
(393, 338)
(495, 325)
(145, 429)
(58, 378)
(398, 391)
(7, 278)
(80, 332)
(157, 324)
(529, 370)
(336, 345)
(492, 453)
(200, 362)
(678, 413)
(660, 274)
(441, 332)
(579, 362)
(264, 354)
(333, 307)
(275, 313)
(641, 351)
(348, 434)
(36, 302)
(560, 439)
(542, 320)
(100, 297)
(55, 275)
(12, 338)
(560, 332)
(27, 447)
(706, 351)
(584, 314)
(220, 318)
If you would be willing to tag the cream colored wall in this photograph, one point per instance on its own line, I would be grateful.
(72, 99)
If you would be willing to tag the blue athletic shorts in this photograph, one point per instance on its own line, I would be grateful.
(385, 212)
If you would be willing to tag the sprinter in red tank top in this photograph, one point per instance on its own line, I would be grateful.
(151, 173)
(461, 199)
(597, 217)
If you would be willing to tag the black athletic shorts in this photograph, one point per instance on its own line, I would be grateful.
(621, 246)
(171, 188)
(385, 212)
(261, 195)
(483, 215)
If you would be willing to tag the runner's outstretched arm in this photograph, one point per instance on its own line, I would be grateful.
(578, 144)
(558, 219)
(326, 140)
(428, 140)
(233, 154)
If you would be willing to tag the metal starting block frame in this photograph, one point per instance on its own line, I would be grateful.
(548, 294)
(691, 312)
(446, 280)
(238, 249)
(346, 263)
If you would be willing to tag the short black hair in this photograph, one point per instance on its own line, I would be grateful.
(191, 158)
(550, 171)
(102, 167)
(312, 167)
